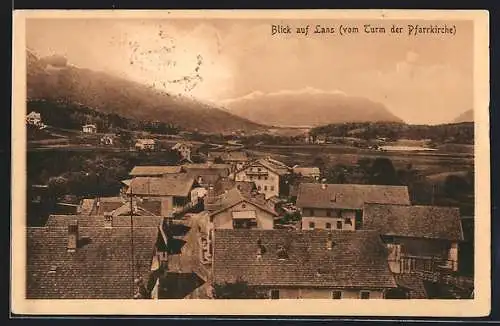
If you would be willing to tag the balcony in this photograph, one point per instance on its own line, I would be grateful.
(257, 173)
(436, 270)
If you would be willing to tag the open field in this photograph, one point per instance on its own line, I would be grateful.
(429, 163)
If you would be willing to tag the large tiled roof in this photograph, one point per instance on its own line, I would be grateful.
(414, 221)
(101, 268)
(413, 283)
(273, 165)
(357, 259)
(98, 221)
(234, 196)
(152, 170)
(168, 185)
(349, 196)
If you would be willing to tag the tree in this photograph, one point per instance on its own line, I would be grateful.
(237, 290)
(382, 172)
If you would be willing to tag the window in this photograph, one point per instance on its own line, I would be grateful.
(311, 225)
(251, 177)
(259, 188)
(336, 294)
(328, 225)
(364, 294)
(265, 188)
(265, 178)
(275, 294)
(348, 221)
(311, 212)
(243, 205)
(339, 225)
(328, 213)
(258, 169)
(272, 188)
(258, 177)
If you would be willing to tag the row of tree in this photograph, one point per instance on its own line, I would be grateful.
(459, 133)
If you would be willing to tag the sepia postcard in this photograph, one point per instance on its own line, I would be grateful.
(251, 162)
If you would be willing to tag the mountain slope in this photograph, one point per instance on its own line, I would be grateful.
(467, 116)
(308, 107)
(53, 79)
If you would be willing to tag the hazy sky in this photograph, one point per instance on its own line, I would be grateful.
(422, 79)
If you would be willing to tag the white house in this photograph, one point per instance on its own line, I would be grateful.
(265, 173)
(184, 150)
(34, 118)
(89, 128)
(145, 144)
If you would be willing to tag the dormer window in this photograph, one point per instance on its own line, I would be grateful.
(281, 253)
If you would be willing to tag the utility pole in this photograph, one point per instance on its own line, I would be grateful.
(132, 240)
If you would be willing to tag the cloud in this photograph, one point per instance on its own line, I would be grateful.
(260, 94)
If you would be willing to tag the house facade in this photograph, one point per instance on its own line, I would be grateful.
(184, 150)
(34, 119)
(265, 173)
(174, 191)
(282, 264)
(145, 144)
(418, 238)
(107, 140)
(89, 128)
(234, 210)
(340, 206)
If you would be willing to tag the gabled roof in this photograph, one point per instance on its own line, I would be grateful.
(208, 171)
(169, 185)
(179, 144)
(234, 197)
(430, 222)
(272, 165)
(306, 171)
(34, 114)
(154, 170)
(349, 196)
(99, 269)
(225, 184)
(357, 259)
(145, 141)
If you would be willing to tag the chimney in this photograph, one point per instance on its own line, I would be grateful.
(73, 236)
(329, 241)
(108, 220)
(261, 250)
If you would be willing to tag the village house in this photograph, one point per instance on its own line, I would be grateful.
(80, 258)
(237, 159)
(119, 205)
(154, 170)
(144, 144)
(108, 139)
(89, 128)
(173, 190)
(34, 119)
(267, 175)
(315, 264)
(424, 246)
(184, 149)
(307, 172)
(206, 174)
(340, 206)
(234, 209)
(422, 238)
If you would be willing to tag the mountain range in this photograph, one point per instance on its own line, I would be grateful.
(52, 78)
(308, 107)
(467, 116)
